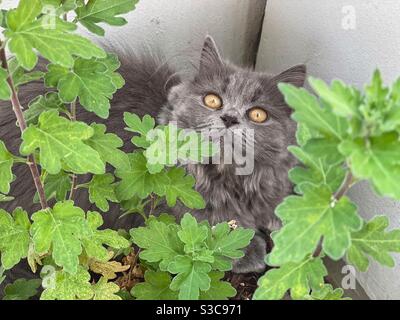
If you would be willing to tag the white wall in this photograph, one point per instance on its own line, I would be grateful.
(178, 27)
(311, 32)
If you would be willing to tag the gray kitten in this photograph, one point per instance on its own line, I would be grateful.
(152, 87)
(248, 199)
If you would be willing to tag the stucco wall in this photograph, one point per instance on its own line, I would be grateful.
(178, 27)
(320, 34)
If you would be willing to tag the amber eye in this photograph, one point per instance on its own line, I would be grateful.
(213, 101)
(258, 115)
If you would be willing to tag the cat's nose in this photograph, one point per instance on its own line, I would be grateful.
(229, 121)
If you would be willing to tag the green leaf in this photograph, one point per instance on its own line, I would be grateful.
(62, 142)
(23, 14)
(324, 165)
(104, 290)
(40, 104)
(133, 205)
(143, 127)
(372, 240)
(90, 80)
(125, 295)
(6, 164)
(170, 145)
(69, 286)
(298, 277)
(62, 6)
(94, 240)
(376, 93)
(101, 190)
(104, 11)
(22, 289)
(60, 230)
(228, 244)
(56, 186)
(164, 218)
(3, 14)
(344, 100)
(180, 186)
(159, 242)
(19, 75)
(219, 290)
(14, 237)
(163, 148)
(4, 198)
(192, 234)
(303, 134)
(309, 112)
(191, 277)
(49, 35)
(108, 146)
(326, 292)
(167, 145)
(390, 121)
(5, 91)
(376, 159)
(155, 287)
(309, 218)
(137, 181)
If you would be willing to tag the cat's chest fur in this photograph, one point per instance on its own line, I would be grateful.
(250, 200)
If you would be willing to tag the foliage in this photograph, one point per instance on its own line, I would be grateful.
(67, 243)
(190, 258)
(374, 241)
(22, 289)
(344, 136)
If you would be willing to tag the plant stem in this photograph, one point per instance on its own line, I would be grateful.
(22, 125)
(347, 182)
(74, 177)
(152, 204)
(345, 186)
(73, 187)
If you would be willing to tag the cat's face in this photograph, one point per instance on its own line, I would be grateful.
(228, 100)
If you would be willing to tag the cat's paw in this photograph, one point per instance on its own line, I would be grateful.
(253, 261)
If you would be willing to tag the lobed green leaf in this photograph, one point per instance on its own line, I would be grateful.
(372, 240)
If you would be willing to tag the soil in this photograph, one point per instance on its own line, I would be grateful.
(245, 284)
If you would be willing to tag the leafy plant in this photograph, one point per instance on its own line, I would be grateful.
(22, 289)
(344, 136)
(188, 260)
(68, 244)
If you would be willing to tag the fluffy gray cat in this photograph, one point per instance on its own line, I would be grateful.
(220, 96)
(224, 97)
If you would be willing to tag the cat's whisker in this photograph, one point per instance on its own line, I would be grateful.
(202, 125)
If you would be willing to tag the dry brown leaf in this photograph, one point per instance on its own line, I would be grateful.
(107, 269)
(134, 275)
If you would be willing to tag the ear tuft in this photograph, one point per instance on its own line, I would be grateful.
(210, 56)
(295, 76)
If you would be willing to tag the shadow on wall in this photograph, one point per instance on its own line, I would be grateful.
(179, 28)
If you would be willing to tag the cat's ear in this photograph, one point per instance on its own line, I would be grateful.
(295, 76)
(210, 59)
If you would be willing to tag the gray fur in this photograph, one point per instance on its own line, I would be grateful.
(252, 199)
(153, 88)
